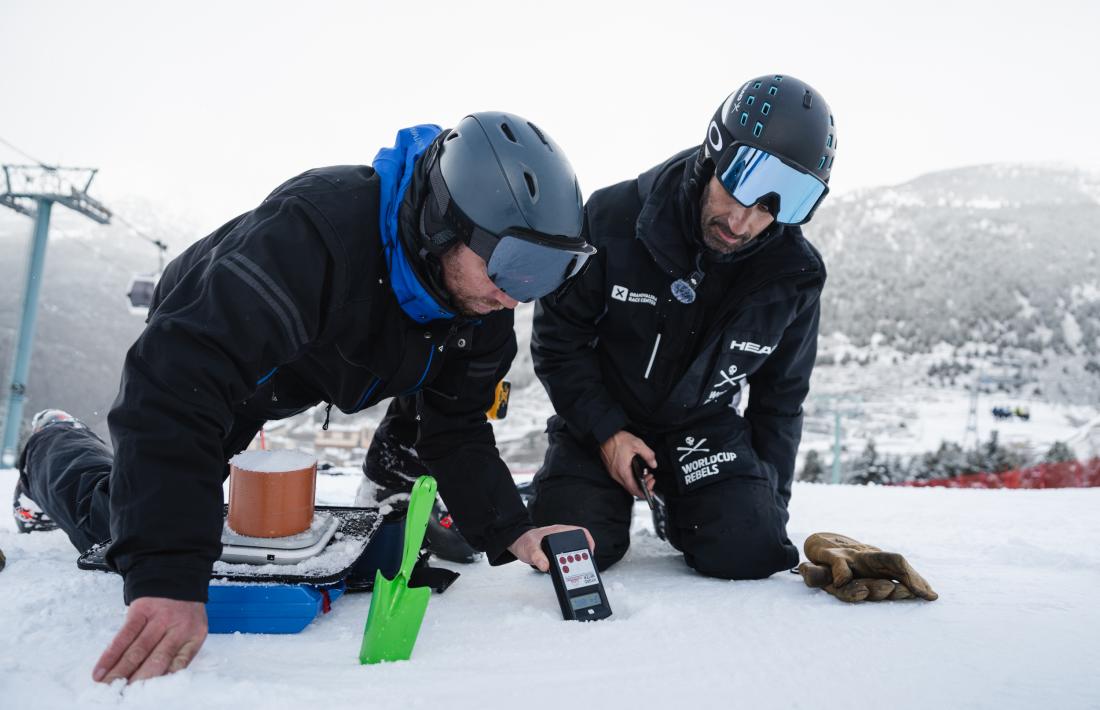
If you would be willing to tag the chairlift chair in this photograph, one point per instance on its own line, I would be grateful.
(140, 294)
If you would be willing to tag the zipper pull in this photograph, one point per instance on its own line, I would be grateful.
(652, 356)
(450, 334)
(328, 413)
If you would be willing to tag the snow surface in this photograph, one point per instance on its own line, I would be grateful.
(1016, 625)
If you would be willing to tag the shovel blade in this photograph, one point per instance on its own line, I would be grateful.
(393, 623)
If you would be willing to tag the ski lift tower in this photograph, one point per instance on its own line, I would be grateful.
(838, 404)
(972, 414)
(32, 190)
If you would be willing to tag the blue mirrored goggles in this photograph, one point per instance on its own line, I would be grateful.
(753, 174)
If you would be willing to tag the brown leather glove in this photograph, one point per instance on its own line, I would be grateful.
(853, 572)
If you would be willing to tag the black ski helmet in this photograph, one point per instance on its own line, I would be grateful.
(778, 114)
(497, 175)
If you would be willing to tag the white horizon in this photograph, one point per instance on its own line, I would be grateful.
(206, 108)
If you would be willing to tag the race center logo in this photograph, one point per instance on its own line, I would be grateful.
(703, 466)
(750, 347)
(622, 293)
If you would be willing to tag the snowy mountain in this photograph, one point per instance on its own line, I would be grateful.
(952, 273)
(1005, 255)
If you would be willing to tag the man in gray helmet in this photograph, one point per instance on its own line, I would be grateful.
(704, 289)
(347, 285)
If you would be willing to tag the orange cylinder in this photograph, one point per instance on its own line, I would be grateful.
(271, 493)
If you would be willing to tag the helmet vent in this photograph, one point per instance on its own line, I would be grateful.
(778, 78)
(541, 137)
(808, 101)
(507, 131)
(829, 141)
(773, 90)
(821, 164)
(758, 129)
(749, 101)
(744, 119)
(766, 108)
(532, 186)
(831, 120)
(451, 136)
(756, 85)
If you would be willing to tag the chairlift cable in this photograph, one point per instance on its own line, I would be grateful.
(25, 154)
(129, 225)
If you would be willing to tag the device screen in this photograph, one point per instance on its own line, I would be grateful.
(585, 600)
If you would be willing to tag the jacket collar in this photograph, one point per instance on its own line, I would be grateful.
(410, 276)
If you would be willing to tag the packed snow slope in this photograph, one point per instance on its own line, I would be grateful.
(1016, 625)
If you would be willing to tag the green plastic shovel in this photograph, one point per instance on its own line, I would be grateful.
(396, 610)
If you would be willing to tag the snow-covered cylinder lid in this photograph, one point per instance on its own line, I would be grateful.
(273, 461)
(271, 493)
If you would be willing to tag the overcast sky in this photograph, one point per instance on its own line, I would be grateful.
(206, 106)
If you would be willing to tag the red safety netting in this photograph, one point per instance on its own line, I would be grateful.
(1070, 474)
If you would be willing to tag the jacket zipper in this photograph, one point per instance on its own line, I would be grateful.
(431, 355)
(366, 395)
(652, 356)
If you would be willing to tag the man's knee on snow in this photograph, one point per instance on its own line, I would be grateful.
(573, 488)
(733, 530)
(745, 559)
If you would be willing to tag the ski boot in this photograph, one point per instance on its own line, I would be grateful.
(28, 516)
(391, 469)
(49, 417)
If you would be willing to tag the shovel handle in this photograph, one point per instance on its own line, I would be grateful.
(421, 501)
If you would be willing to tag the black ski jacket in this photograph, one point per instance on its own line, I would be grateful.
(618, 351)
(284, 307)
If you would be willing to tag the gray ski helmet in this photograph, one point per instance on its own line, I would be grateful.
(498, 171)
(505, 189)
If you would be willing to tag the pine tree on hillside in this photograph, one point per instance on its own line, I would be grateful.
(1059, 452)
(813, 470)
(993, 457)
(869, 467)
(897, 469)
(948, 461)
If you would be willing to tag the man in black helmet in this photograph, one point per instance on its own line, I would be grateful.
(347, 285)
(704, 291)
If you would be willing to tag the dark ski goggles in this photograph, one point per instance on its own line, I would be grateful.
(526, 265)
(751, 174)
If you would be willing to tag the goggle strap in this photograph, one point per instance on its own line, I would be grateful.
(483, 244)
(439, 189)
(432, 226)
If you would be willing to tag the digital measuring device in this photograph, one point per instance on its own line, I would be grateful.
(576, 580)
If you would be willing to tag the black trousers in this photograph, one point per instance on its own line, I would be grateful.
(66, 471)
(732, 529)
